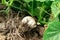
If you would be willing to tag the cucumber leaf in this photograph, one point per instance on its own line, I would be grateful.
(53, 31)
(55, 8)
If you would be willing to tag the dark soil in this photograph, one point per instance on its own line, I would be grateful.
(9, 27)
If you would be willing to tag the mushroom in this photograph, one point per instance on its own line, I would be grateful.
(30, 21)
(27, 24)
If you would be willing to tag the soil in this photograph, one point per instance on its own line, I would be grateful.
(10, 27)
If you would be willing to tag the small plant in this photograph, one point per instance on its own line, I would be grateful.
(8, 4)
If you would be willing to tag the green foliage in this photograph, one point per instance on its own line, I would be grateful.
(8, 4)
(16, 5)
(55, 8)
(53, 31)
(3, 1)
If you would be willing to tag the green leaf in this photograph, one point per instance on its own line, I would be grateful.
(16, 5)
(3, 1)
(36, 0)
(44, 0)
(28, 0)
(41, 0)
(57, 0)
(55, 8)
(11, 1)
(53, 31)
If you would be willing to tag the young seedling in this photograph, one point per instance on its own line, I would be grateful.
(8, 4)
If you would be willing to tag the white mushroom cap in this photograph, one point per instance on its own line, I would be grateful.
(30, 21)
